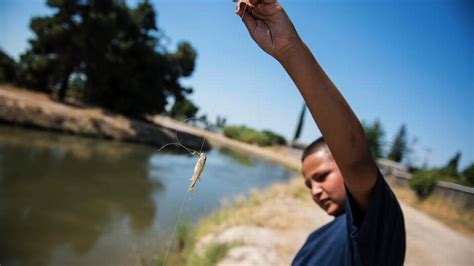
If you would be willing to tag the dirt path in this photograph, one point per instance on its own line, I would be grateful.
(430, 242)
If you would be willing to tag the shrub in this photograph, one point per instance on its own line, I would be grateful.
(183, 109)
(275, 138)
(8, 68)
(252, 136)
(423, 182)
(375, 137)
(233, 132)
(468, 175)
(184, 234)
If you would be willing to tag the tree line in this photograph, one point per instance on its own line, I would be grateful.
(424, 178)
(103, 53)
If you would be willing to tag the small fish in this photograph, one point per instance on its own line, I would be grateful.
(197, 171)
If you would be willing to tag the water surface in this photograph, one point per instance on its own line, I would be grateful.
(67, 200)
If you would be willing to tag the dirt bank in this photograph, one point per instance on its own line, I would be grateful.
(26, 108)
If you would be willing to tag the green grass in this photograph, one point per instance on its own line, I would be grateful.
(183, 250)
(252, 136)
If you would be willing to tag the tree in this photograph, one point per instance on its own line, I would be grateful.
(116, 52)
(375, 135)
(56, 51)
(220, 121)
(299, 126)
(274, 138)
(183, 109)
(468, 174)
(399, 146)
(8, 68)
(179, 64)
(203, 120)
(409, 158)
(35, 71)
(451, 168)
(423, 182)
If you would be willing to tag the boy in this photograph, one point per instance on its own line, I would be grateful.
(344, 180)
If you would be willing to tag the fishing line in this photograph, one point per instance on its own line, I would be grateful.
(175, 226)
(197, 119)
(193, 153)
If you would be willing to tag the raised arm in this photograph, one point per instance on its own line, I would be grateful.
(272, 30)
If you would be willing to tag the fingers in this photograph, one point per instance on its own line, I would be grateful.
(268, 9)
(242, 7)
(257, 14)
(251, 15)
(260, 7)
(256, 2)
(249, 21)
(239, 9)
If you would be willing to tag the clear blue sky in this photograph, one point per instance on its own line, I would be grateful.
(404, 62)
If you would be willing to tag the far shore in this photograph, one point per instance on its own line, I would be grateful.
(37, 110)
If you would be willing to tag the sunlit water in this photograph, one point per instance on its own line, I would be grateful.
(67, 200)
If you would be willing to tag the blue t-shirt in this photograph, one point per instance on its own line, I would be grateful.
(376, 237)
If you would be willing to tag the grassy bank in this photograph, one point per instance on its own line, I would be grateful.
(183, 250)
(252, 136)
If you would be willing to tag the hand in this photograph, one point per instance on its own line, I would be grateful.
(269, 26)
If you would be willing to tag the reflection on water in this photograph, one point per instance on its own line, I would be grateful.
(79, 201)
(239, 157)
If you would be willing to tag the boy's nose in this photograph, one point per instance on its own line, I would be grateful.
(316, 189)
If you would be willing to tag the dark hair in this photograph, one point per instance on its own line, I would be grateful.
(314, 147)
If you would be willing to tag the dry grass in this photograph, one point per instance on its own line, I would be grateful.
(454, 216)
(266, 208)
